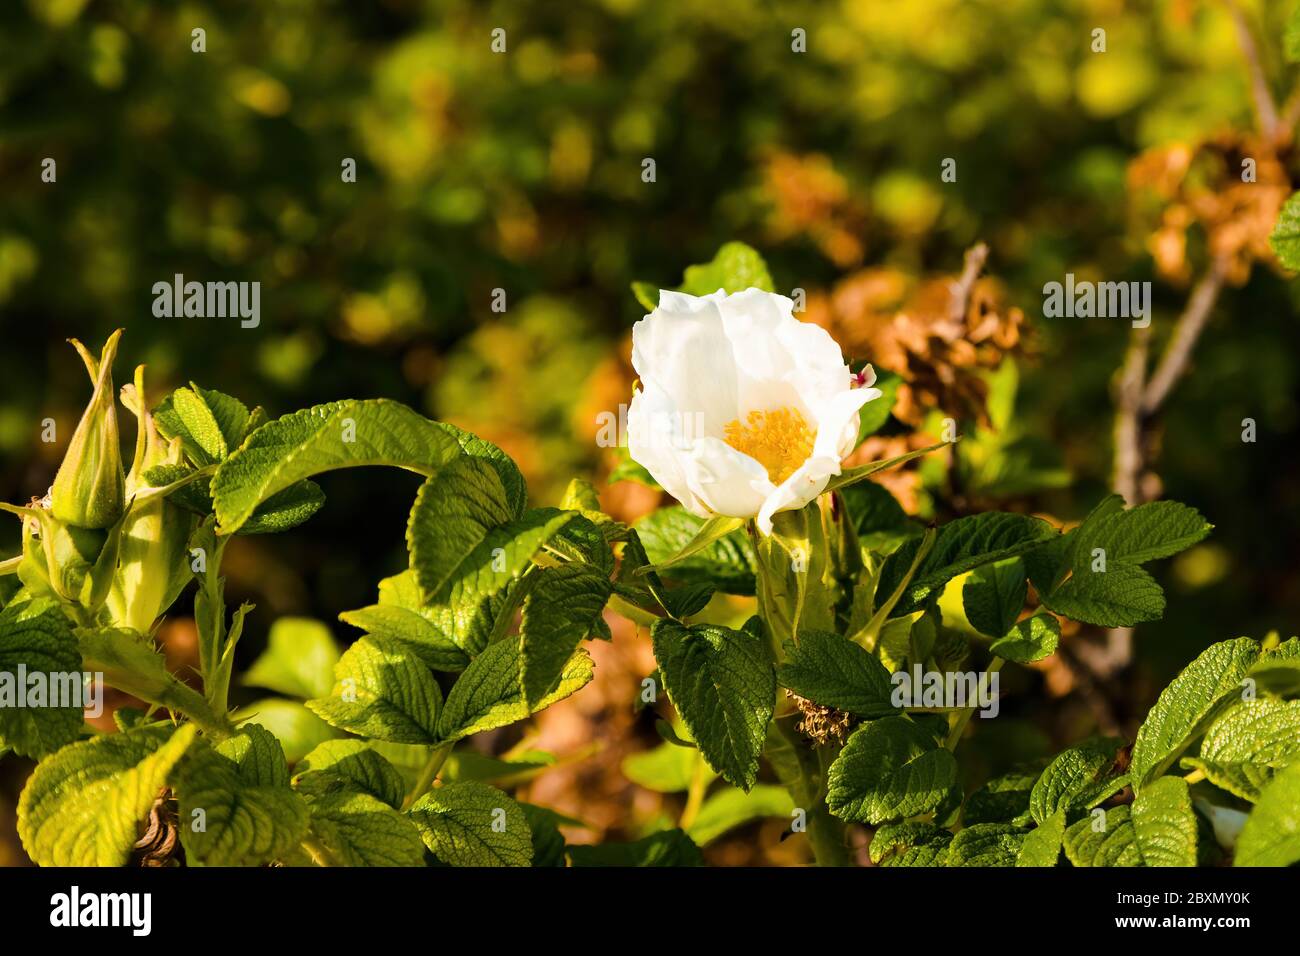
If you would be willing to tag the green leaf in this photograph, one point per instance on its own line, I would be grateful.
(851, 476)
(472, 824)
(459, 560)
(36, 637)
(1031, 640)
(1004, 799)
(637, 583)
(731, 808)
(1042, 845)
(349, 765)
(455, 511)
(587, 541)
(237, 812)
(1285, 238)
(708, 533)
(563, 607)
(1245, 747)
(959, 546)
(722, 684)
(735, 268)
(1078, 778)
(889, 769)
(488, 694)
(1291, 37)
(191, 414)
(873, 510)
(910, 844)
(131, 662)
(285, 509)
(1107, 839)
(416, 630)
(986, 844)
(1154, 530)
(342, 434)
(297, 728)
(875, 413)
(1271, 834)
(257, 756)
(83, 806)
(646, 293)
(1120, 596)
(382, 690)
(666, 848)
(1189, 704)
(727, 561)
(835, 672)
(511, 478)
(994, 595)
(1091, 574)
(666, 768)
(351, 828)
(298, 661)
(1164, 825)
(548, 841)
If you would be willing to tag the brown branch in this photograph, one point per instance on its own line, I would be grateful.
(1178, 353)
(1137, 401)
(1103, 711)
(1129, 389)
(973, 264)
(1265, 108)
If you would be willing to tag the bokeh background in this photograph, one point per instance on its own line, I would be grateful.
(522, 171)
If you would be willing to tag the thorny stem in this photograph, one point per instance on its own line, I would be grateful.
(316, 852)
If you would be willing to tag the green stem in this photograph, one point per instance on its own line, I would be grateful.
(962, 718)
(428, 774)
(803, 772)
(316, 852)
(695, 795)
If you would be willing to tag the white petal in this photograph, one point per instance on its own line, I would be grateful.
(682, 349)
(837, 430)
(797, 490)
(837, 422)
(781, 361)
(656, 443)
(727, 481)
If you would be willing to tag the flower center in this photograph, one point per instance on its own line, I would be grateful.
(779, 440)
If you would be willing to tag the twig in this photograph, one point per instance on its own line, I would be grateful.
(1265, 108)
(1129, 391)
(1103, 711)
(1137, 401)
(973, 264)
(1179, 350)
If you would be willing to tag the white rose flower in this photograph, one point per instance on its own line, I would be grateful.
(743, 410)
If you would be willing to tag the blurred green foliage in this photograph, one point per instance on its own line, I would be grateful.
(522, 171)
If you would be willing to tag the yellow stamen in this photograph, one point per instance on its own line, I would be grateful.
(779, 440)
